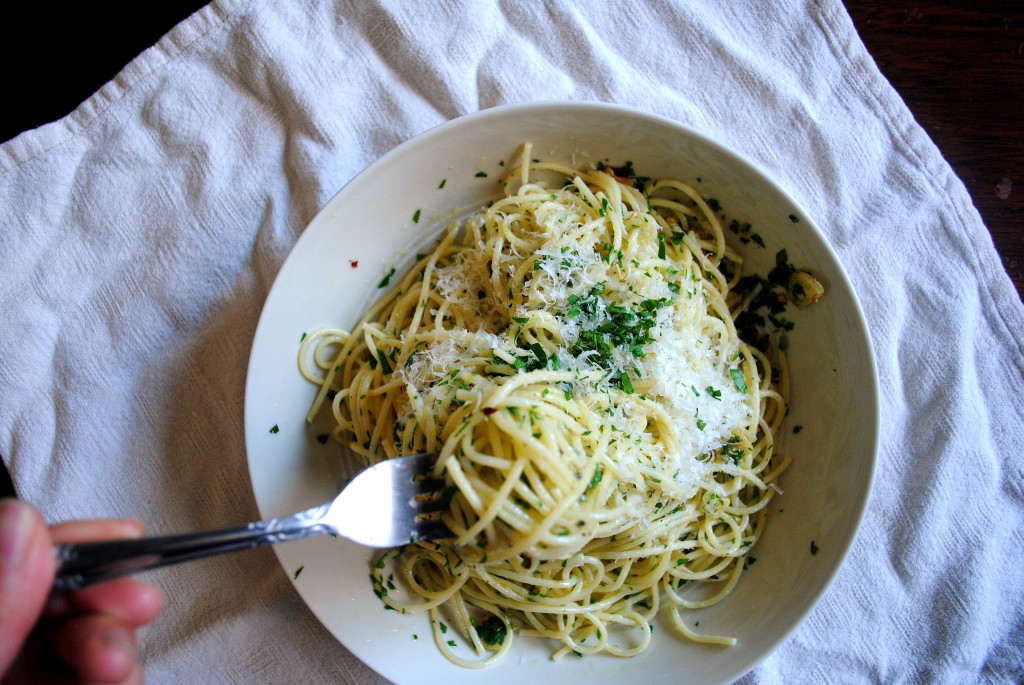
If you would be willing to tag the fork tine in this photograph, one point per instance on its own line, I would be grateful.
(433, 530)
(392, 503)
(430, 504)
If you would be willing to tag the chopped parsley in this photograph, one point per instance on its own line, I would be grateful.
(625, 383)
(731, 451)
(767, 304)
(738, 380)
(493, 631)
(783, 269)
(540, 354)
(274, 429)
(384, 365)
(628, 328)
(387, 279)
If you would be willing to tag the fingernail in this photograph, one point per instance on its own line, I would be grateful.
(15, 531)
(120, 640)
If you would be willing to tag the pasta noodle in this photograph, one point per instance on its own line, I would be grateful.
(606, 437)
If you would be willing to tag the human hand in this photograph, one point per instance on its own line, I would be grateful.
(85, 636)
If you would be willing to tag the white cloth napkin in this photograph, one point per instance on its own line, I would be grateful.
(142, 232)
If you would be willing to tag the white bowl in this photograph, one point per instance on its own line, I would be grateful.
(371, 221)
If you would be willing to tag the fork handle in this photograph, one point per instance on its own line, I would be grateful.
(86, 563)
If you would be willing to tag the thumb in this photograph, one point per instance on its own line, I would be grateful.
(27, 566)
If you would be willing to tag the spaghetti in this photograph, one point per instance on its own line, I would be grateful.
(606, 437)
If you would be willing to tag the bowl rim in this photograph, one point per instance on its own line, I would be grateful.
(541, 108)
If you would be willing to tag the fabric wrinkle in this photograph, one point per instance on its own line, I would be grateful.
(143, 232)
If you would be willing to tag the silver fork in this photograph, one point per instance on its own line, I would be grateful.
(387, 505)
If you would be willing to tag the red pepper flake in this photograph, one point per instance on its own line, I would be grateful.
(353, 263)
(489, 410)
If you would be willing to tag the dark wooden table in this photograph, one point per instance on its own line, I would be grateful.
(958, 64)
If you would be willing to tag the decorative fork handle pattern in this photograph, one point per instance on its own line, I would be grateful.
(83, 564)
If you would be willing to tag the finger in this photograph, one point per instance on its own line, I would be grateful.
(26, 574)
(98, 529)
(130, 601)
(98, 648)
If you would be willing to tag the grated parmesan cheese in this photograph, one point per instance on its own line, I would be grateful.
(686, 369)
